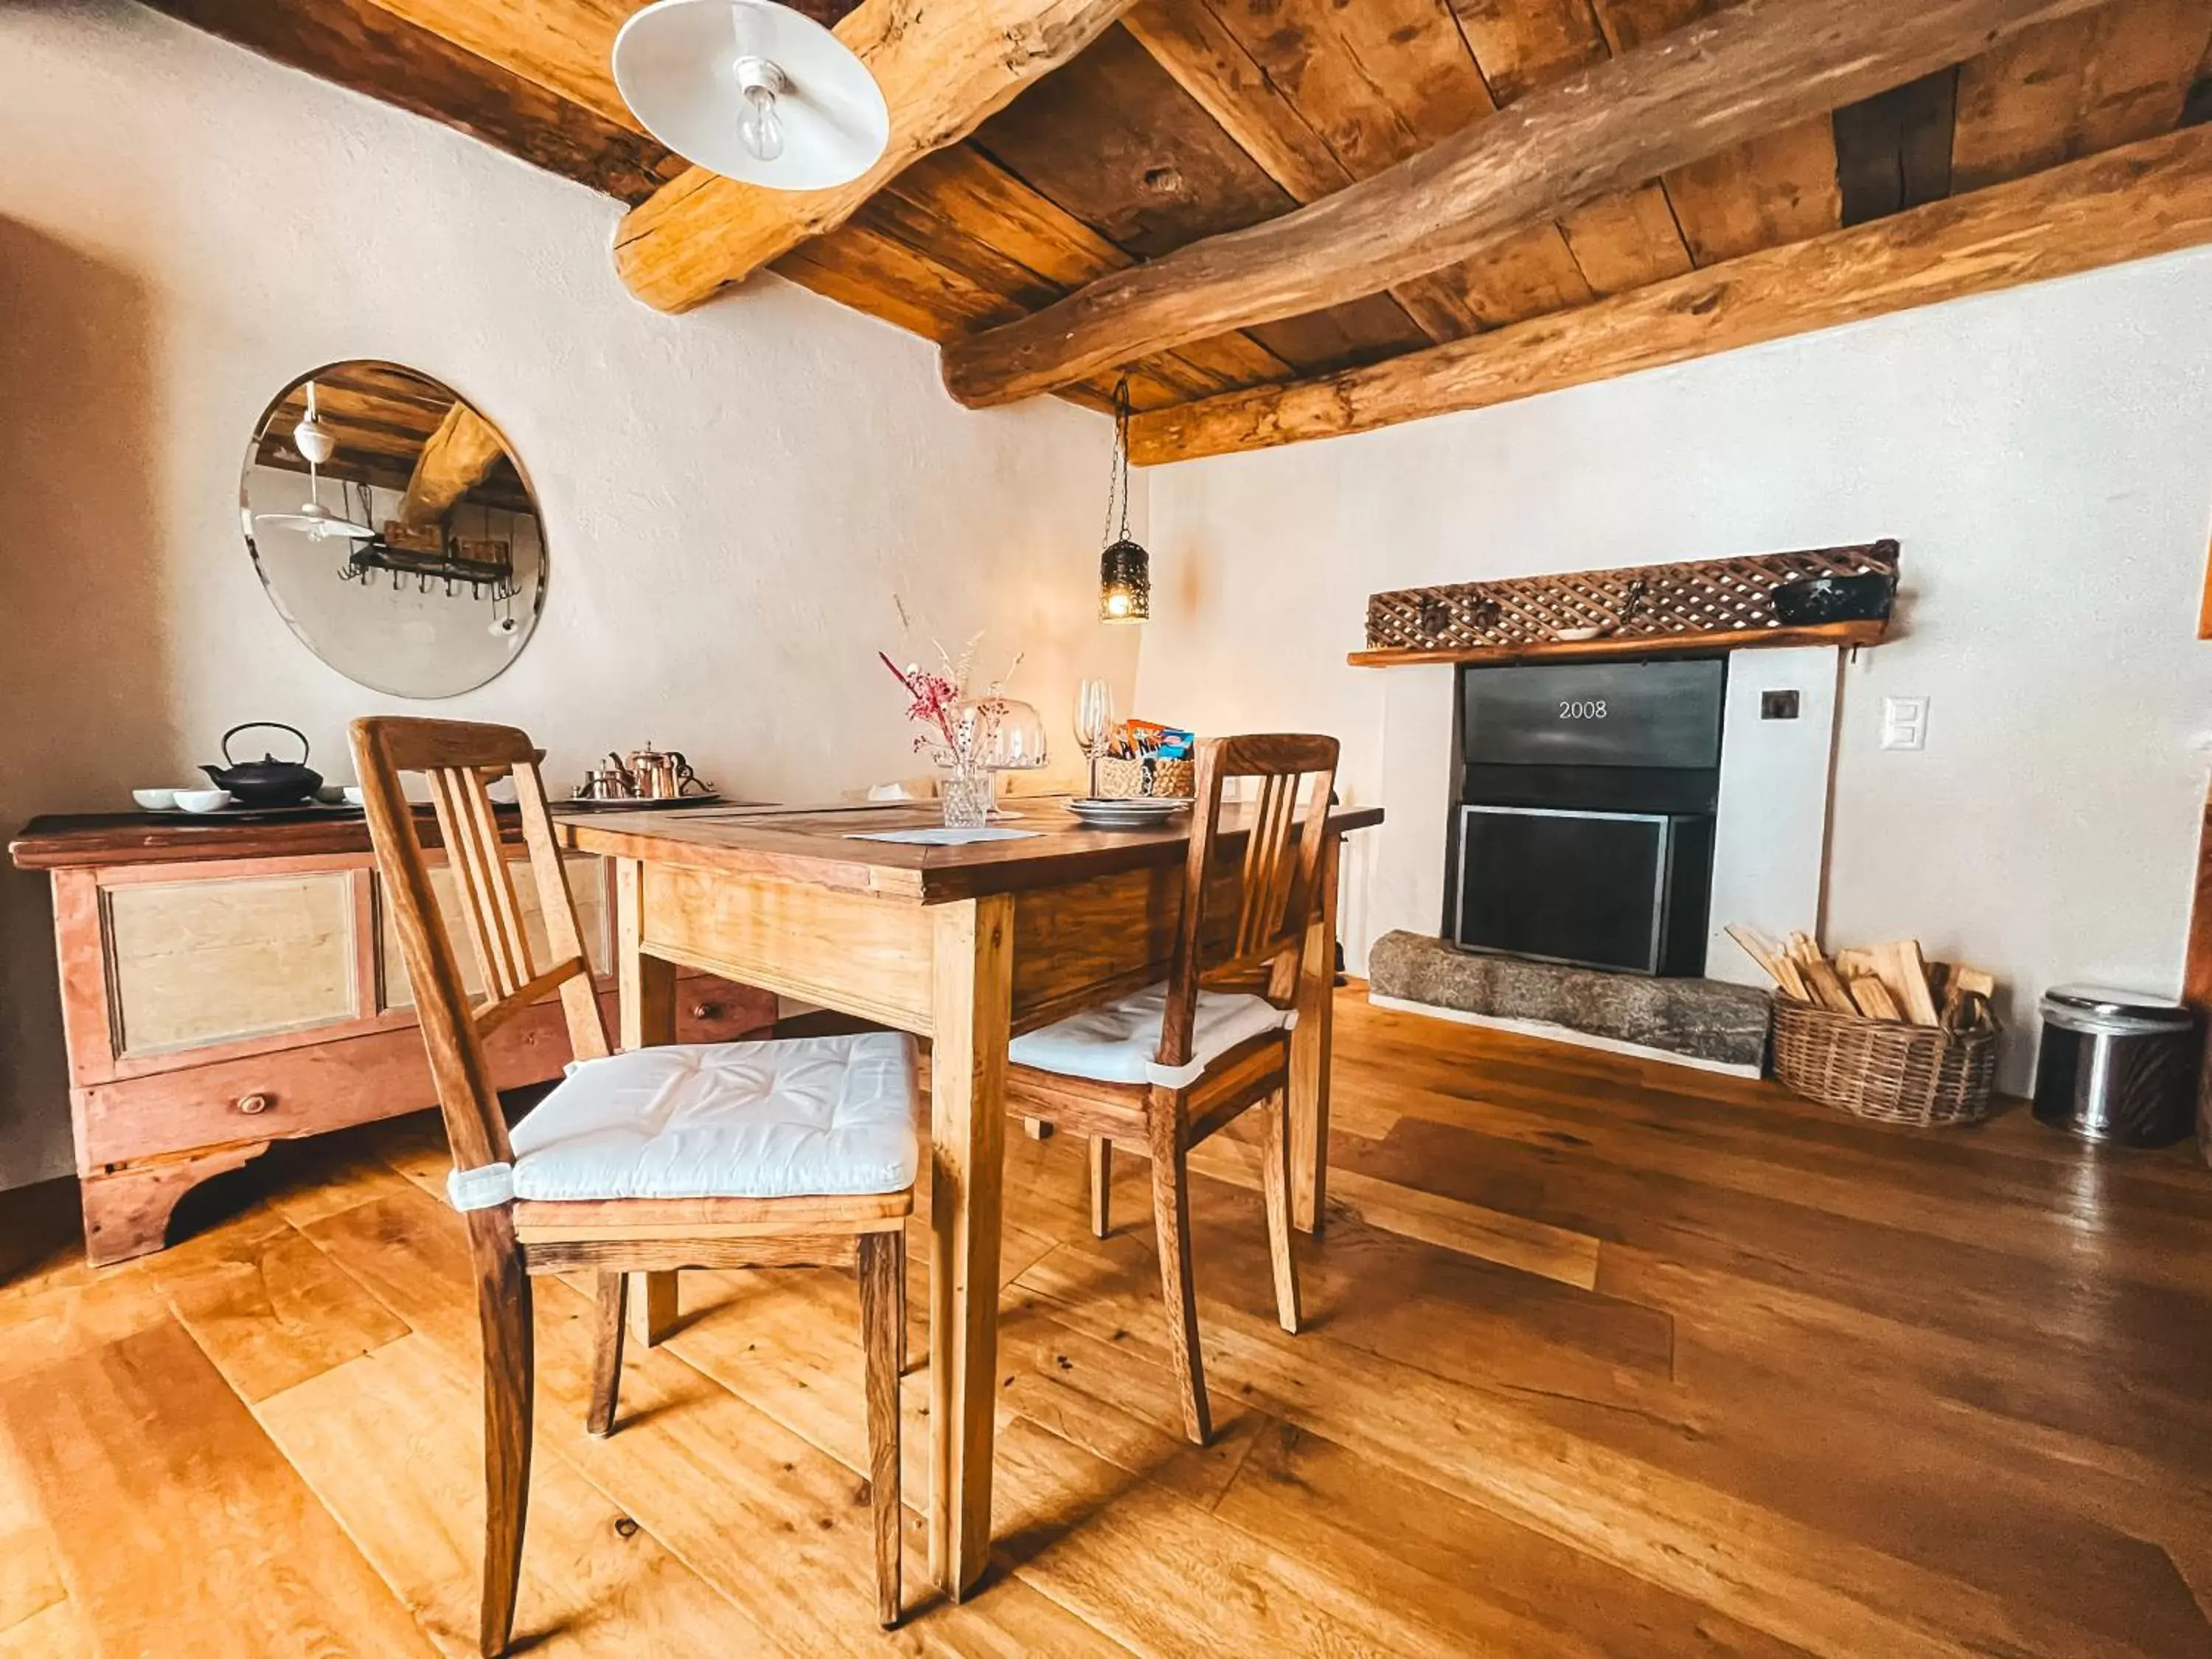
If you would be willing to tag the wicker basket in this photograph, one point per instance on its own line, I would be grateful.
(1121, 780)
(1886, 1069)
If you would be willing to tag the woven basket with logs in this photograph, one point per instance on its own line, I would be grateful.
(1880, 1032)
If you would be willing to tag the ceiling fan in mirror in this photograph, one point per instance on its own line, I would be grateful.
(316, 446)
(752, 90)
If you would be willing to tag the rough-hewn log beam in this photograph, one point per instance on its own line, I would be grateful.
(2149, 198)
(1676, 101)
(459, 454)
(943, 70)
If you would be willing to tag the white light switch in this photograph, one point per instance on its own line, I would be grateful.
(1905, 722)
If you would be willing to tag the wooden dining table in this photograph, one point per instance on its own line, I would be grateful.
(966, 946)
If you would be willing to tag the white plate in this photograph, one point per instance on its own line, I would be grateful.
(1156, 804)
(1121, 815)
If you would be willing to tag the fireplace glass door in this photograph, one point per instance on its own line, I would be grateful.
(1594, 889)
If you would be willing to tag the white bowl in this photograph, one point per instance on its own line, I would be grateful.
(353, 795)
(155, 800)
(203, 801)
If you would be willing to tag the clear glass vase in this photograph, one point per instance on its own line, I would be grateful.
(964, 794)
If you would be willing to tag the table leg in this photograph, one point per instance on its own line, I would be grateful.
(648, 987)
(1309, 1054)
(972, 942)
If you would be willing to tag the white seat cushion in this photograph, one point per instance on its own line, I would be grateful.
(1117, 1042)
(726, 1120)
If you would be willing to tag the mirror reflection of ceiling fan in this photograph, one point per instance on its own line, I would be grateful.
(315, 520)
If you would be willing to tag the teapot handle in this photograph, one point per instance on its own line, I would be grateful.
(272, 726)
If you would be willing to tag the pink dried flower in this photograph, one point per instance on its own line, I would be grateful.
(963, 727)
(930, 697)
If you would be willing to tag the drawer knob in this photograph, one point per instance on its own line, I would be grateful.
(254, 1105)
(706, 1011)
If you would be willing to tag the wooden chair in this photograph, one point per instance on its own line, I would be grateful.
(705, 1156)
(1175, 1062)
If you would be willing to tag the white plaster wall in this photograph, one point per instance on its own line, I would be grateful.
(731, 498)
(1771, 832)
(2045, 456)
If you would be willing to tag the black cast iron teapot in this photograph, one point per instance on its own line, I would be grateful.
(267, 781)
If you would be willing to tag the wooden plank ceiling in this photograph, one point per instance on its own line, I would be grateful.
(382, 420)
(1191, 118)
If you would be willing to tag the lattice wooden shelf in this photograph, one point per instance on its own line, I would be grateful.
(1637, 645)
(1696, 605)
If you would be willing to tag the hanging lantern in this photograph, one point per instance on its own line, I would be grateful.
(1125, 569)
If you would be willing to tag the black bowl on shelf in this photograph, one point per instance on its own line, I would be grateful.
(1864, 597)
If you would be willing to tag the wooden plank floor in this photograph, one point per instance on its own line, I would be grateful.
(1606, 1358)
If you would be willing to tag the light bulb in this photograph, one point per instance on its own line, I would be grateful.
(760, 127)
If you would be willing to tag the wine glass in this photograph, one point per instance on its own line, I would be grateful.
(1094, 723)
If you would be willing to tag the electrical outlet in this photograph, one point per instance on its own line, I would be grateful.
(1905, 722)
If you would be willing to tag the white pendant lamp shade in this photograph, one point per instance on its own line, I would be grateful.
(752, 90)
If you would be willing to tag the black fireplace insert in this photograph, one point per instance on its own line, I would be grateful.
(1584, 826)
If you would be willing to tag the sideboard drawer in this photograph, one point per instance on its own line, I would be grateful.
(295, 1091)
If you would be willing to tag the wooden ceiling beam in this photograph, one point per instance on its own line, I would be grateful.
(1686, 95)
(943, 68)
(2150, 197)
(563, 46)
(460, 453)
(976, 199)
(1188, 39)
(1779, 187)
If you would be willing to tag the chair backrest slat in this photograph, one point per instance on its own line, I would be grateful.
(459, 760)
(479, 869)
(580, 998)
(1277, 878)
(492, 869)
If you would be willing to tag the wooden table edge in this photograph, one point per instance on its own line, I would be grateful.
(907, 874)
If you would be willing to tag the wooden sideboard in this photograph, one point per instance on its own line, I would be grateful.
(225, 986)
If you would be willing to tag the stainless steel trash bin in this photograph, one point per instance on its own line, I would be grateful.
(2117, 1066)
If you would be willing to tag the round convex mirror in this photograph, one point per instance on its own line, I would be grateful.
(394, 529)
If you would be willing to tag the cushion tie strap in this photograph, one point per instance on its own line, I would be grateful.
(1182, 1077)
(485, 1188)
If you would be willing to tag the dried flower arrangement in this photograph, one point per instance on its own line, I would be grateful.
(961, 728)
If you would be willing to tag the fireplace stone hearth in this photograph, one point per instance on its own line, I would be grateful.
(1708, 1022)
